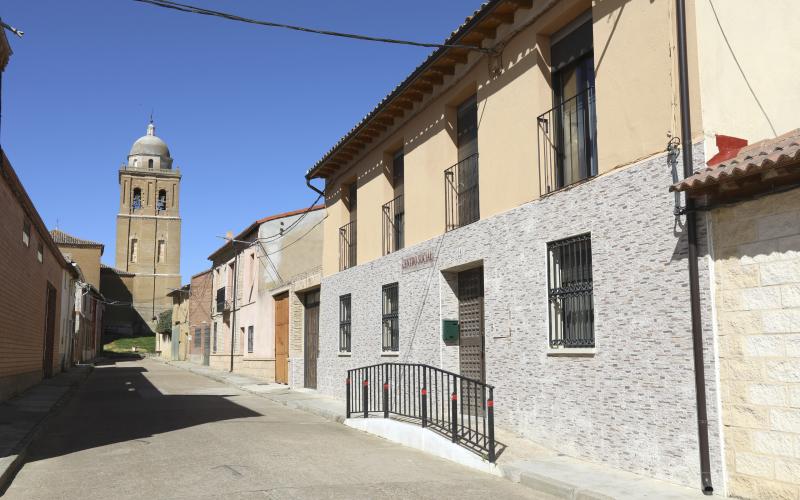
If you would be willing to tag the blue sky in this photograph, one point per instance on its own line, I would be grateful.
(233, 101)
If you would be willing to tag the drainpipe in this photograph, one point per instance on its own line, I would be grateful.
(313, 188)
(694, 280)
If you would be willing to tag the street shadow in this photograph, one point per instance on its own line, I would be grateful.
(118, 404)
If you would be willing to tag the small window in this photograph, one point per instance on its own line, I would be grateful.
(137, 198)
(134, 256)
(150, 164)
(250, 339)
(571, 302)
(162, 251)
(26, 233)
(40, 252)
(214, 340)
(391, 324)
(344, 323)
(161, 203)
(197, 337)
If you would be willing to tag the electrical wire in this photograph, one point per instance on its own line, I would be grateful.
(168, 4)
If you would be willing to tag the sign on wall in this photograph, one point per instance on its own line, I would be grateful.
(420, 260)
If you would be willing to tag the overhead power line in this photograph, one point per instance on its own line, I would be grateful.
(168, 4)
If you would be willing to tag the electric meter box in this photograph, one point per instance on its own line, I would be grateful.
(450, 331)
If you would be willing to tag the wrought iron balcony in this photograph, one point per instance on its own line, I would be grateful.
(461, 197)
(347, 246)
(393, 225)
(222, 303)
(567, 142)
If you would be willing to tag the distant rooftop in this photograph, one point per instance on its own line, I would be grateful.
(62, 238)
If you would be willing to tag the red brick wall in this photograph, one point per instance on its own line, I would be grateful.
(23, 295)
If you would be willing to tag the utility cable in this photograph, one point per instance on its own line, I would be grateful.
(168, 4)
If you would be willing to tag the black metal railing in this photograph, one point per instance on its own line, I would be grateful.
(567, 142)
(220, 299)
(347, 246)
(393, 225)
(461, 195)
(457, 407)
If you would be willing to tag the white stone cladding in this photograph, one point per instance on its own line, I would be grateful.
(631, 404)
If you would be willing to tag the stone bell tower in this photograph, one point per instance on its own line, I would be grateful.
(149, 227)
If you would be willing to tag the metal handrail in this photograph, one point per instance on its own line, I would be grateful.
(567, 142)
(455, 406)
(393, 213)
(461, 195)
(347, 246)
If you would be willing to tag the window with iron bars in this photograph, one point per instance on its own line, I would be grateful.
(391, 322)
(250, 339)
(344, 323)
(197, 337)
(571, 304)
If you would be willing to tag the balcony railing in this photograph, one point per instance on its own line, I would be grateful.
(454, 406)
(222, 301)
(567, 140)
(347, 246)
(393, 225)
(461, 193)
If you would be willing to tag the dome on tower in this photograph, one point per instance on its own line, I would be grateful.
(150, 144)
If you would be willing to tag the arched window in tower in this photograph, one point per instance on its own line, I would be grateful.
(137, 198)
(134, 255)
(162, 200)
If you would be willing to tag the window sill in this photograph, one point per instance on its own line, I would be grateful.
(575, 352)
(390, 354)
(344, 354)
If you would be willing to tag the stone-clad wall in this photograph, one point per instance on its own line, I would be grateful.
(757, 264)
(630, 404)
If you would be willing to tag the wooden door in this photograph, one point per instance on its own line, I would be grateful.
(49, 331)
(311, 339)
(282, 339)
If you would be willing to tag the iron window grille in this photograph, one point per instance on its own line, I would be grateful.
(214, 340)
(250, 339)
(345, 317)
(571, 303)
(461, 195)
(347, 246)
(220, 299)
(197, 337)
(391, 323)
(393, 225)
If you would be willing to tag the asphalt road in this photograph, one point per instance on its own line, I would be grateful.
(147, 430)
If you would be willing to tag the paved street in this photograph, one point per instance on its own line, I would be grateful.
(149, 430)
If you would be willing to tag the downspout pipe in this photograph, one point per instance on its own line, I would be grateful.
(694, 275)
(314, 188)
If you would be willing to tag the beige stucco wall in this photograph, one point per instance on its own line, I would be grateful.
(757, 260)
(754, 69)
(636, 86)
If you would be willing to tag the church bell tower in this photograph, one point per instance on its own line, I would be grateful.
(149, 227)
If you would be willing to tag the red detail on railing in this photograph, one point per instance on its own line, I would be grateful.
(424, 392)
(348, 380)
(490, 403)
(385, 387)
(453, 397)
(366, 383)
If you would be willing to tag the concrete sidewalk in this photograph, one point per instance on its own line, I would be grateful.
(22, 417)
(552, 474)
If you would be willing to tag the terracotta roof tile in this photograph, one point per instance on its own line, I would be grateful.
(756, 158)
(62, 238)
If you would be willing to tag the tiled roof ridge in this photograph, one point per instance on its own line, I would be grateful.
(61, 237)
(754, 158)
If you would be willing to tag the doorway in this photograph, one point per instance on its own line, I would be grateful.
(49, 331)
(311, 339)
(206, 345)
(470, 320)
(282, 338)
